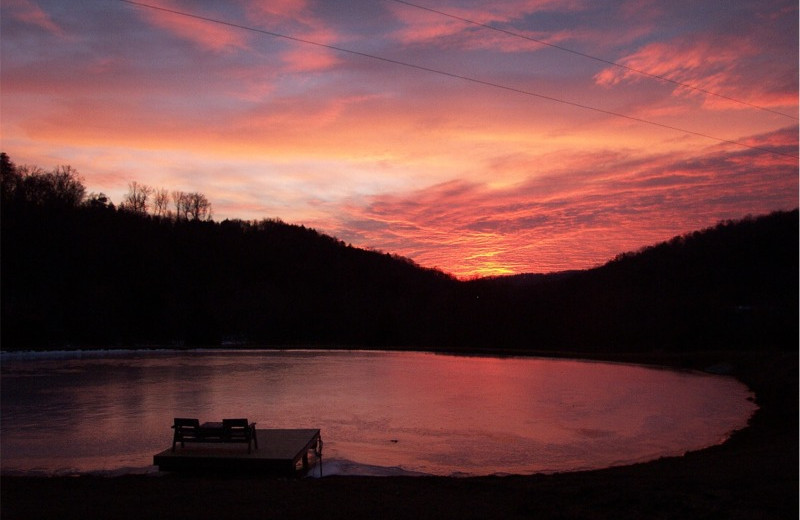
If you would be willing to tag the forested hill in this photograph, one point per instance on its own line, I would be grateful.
(98, 276)
(731, 286)
(84, 273)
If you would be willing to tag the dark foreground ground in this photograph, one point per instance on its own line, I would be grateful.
(753, 475)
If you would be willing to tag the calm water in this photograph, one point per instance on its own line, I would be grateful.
(379, 412)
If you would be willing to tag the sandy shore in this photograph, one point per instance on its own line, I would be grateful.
(753, 475)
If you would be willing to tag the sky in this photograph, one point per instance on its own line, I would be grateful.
(479, 138)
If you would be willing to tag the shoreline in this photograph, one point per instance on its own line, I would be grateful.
(754, 474)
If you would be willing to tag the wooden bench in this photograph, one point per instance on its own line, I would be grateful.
(229, 430)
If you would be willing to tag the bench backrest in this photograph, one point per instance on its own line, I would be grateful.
(186, 424)
(236, 428)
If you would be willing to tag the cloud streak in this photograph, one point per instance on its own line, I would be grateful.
(209, 36)
(27, 12)
(547, 220)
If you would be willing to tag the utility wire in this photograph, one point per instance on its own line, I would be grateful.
(454, 75)
(595, 58)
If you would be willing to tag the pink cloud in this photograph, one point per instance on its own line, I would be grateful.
(423, 26)
(205, 34)
(721, 65)
(27, 11)
(282, 9)
(681, 60)
(295, 18)
(304, 59)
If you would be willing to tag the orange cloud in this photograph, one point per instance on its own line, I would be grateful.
(574, 219)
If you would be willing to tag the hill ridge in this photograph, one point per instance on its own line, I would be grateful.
(90, 275)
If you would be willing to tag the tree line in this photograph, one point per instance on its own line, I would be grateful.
(78, 271)
(63, 187)
(144, 199)
(90, 273)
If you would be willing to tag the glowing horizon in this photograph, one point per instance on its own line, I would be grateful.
(461, 176)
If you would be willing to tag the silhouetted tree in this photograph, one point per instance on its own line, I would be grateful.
(191, 206)
(35, 187)
(199, 207)
(10, 179)
(137, 198)
(68, 185)
(181, 202)
(99, 201)
(161, 202)
(61, 187)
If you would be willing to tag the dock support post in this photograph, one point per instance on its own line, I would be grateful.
(318, 452)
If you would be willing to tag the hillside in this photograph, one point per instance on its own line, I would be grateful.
(731, 286)
(89, 277)
(78, 274)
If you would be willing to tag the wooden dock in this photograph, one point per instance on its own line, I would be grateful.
(280, 451)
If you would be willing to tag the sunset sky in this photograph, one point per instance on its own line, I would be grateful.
(467, 138)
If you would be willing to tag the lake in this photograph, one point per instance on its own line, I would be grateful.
(381, 413)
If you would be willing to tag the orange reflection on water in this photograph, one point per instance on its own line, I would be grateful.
(378, 411)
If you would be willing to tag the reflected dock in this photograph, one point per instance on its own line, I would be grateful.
(280, 451)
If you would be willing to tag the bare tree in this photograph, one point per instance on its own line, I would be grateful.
(62, 186)
(34, 185)
(199, 207)
(180, 199)
(137, 197)
(161, 202)
(68, 184)
(191, 206)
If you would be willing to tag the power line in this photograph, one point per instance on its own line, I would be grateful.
(455, 76)
(595, 58)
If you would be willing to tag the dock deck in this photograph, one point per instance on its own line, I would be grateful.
(279, 451)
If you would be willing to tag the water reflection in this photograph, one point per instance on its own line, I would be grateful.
(408, 411)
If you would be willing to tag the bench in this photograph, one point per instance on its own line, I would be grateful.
(229, 430)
